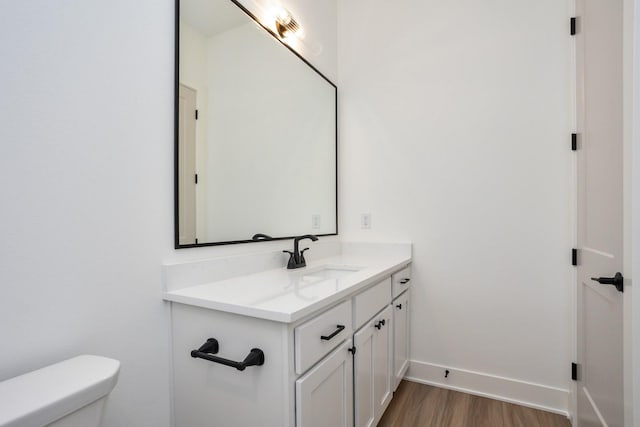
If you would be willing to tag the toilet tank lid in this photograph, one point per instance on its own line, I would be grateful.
(41, 397)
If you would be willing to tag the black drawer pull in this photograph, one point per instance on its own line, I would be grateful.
(336, 332)
(380, 324)
(399, 306)
(405, 281)
(209, 348)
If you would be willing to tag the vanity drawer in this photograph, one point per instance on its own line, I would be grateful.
(320, 335)
(371, 301)
(400, 281)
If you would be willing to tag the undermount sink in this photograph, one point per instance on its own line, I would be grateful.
(329, 272)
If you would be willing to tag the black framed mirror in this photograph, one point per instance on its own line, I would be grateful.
(255, 132)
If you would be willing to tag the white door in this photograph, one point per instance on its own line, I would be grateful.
(400, 309)
(187, 165)
(324, 396)
(600, 215)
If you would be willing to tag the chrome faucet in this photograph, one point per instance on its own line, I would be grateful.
(296, 258)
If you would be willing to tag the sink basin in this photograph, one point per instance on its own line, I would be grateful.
(329, 272)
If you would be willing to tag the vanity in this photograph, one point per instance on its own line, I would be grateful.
(255, 343)
(334, 338)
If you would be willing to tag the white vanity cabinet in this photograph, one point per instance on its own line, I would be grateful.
(210, 394)
(336, 365)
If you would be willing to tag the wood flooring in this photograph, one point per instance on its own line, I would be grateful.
(419, 405)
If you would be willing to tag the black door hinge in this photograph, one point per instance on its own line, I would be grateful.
(574, 371)
(196, 114)
(573, 25)
(574, 141)
(196, 179)
(574, 257)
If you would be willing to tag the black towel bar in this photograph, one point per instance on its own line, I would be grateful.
(211, 347)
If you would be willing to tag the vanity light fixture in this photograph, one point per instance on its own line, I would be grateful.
(274, 16)
(286, 25)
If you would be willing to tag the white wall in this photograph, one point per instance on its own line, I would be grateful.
(86, 188)
(86, 180)
(454, 130)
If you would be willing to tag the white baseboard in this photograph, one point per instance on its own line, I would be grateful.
(500, 388)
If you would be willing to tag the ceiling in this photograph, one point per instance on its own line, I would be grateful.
(211, 17)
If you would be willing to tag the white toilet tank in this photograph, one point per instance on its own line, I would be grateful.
(67, 394)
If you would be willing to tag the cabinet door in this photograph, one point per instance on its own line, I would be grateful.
(400, 337)
(364, 368)
(373, 372)
(324, 396)
(383, 372)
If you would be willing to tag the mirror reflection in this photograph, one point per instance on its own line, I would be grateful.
(256, 132)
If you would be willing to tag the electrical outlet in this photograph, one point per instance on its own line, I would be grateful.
(315, 221)
(365, 221)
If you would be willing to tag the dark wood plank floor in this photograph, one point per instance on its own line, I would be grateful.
(419, 405)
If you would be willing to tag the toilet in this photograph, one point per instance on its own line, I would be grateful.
(71, 393)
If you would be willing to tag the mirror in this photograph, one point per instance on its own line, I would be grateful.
(255, 132)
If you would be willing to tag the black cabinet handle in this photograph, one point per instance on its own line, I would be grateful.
(380, 324)
(617, 281)
(336, 332)
(209, 348)
(404, 281)
(399, 306)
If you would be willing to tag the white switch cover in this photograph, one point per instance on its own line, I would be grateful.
(365, 221)
(315, 221)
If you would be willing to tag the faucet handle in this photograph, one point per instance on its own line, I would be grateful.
(302, 260)
(292, 260)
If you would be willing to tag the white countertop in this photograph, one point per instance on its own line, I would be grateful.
(285, 295)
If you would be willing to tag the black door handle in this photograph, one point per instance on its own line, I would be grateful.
(617, 281)
(336, 332)
(399, 306)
